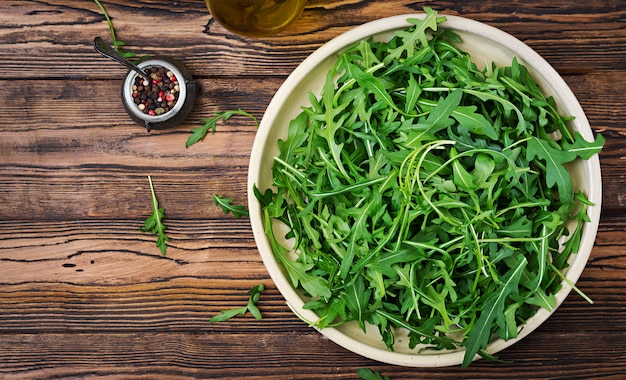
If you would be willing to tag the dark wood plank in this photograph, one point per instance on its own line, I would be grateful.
(45, 39)
(206, 259)
(205, 354)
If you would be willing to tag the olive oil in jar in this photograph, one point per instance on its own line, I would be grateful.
(255, 18)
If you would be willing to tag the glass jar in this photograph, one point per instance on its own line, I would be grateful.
(149, 103)
(255, 18)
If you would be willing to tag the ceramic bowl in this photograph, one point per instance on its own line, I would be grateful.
(485, 44)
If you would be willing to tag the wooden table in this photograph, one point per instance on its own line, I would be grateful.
(85, 294)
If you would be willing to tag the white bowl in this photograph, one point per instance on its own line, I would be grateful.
(485, 44)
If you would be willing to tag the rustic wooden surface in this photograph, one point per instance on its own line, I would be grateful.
(85, 294)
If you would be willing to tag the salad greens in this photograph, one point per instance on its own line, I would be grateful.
(117, 44)
(154, 223)
(255, 294)
(227, 206)
(427, 194)
(368, 374)
(210, 123)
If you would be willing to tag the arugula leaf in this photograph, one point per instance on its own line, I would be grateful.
(410, 37)
(506, 105)
(583, 149)
(330, 125)
(117, 44)
(374, 85)
(227, 206)
(357, 300)
(475, 122)
(199, 133)
(154, 223)
(255, 294)
(543, 300)
(298, 272)
(493, 310)
(556, 173)
(440, 113)
(368, 374)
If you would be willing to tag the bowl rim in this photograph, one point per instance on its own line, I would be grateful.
(530, 58)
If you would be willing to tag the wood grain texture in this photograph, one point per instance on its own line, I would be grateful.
(85, 294)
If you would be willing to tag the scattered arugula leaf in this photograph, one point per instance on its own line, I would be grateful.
(255, 294)
(226, 204)
(117, 44)
(368, 374)
(424, 193)
(199, 133)
(154, 223)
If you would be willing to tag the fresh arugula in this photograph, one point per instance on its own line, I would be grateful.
(368, 374)
(226, 204)
(427, 194)
(255, 294)
(198, 134)
(154, 223)
(117, 44)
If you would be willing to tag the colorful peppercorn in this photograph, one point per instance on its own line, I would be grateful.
(158, 95)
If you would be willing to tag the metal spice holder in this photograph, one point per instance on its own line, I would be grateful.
(184, 104)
